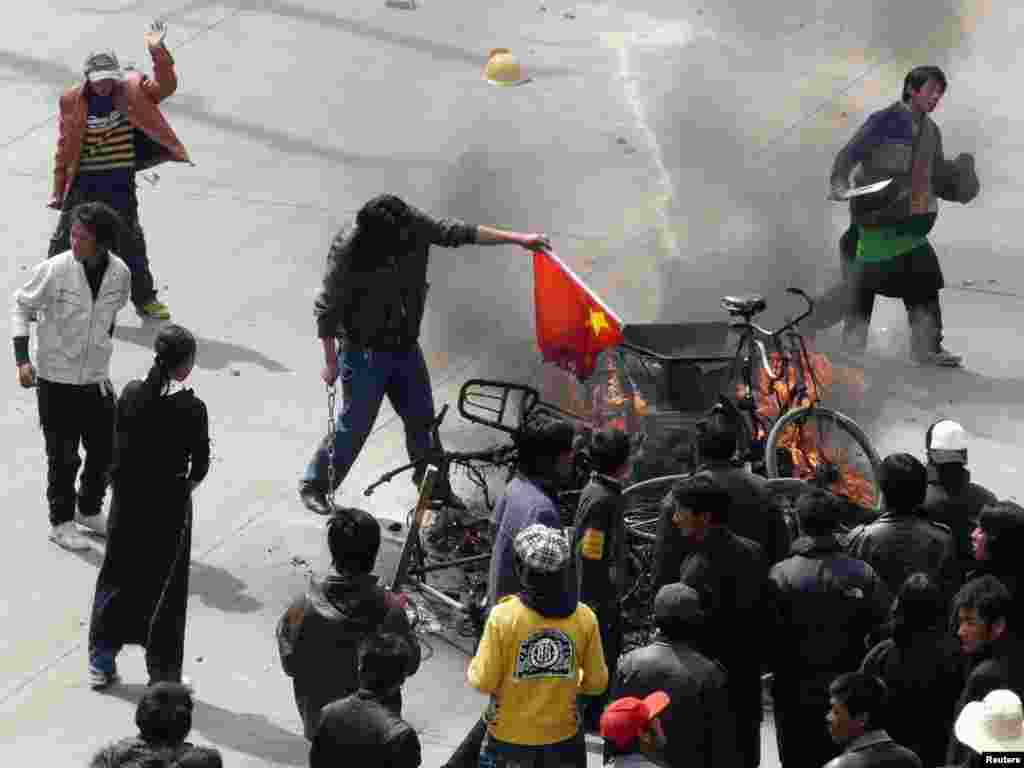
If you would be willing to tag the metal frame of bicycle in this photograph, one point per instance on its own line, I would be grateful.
(752, 353)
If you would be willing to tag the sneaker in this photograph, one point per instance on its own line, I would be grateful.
(65, 535)
(155, 310)
(96, 523)
(313, 499)
(100, 680)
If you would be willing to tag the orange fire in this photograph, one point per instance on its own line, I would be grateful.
(802, 441)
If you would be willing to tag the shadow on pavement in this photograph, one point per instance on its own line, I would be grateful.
(220, 589)
(211, 355)
(243, 732)
(216, 587)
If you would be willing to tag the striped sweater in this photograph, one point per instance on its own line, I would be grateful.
(107, 171)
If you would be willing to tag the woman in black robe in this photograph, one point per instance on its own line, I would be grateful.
(162, 454)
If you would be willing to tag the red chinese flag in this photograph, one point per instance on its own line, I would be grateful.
(573, 324)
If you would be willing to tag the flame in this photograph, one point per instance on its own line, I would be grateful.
(802, 440)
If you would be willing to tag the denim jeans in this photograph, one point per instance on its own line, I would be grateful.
(571, 753)
(367, 375)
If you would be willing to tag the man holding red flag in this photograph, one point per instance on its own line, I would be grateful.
(573, 325)
(368, 321)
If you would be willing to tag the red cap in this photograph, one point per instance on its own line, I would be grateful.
(625, 719)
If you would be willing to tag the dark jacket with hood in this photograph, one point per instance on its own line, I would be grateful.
(376, 299)
(900, 543)
(954, 501)
(924, 674)
(525, 501)
(752, 515)
(827, 603)
(731, 575)
(319, 636)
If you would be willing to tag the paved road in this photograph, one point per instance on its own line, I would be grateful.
(673, 152)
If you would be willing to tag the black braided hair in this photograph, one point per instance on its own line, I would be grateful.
(174, 346)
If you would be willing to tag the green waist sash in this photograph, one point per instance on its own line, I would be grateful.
(880, 244)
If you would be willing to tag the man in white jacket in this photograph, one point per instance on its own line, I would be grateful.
(74, 297)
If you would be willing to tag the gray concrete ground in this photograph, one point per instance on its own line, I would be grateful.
(674, 152)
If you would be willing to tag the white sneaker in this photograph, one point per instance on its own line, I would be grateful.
(65, 535)
(96, 523)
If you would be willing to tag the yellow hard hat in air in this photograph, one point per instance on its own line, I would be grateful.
(503, 68)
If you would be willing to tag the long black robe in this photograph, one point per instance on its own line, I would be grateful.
(162, 451)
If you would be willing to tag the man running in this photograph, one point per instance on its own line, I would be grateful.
(886, 248)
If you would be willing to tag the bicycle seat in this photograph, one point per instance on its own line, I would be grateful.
(747, 306)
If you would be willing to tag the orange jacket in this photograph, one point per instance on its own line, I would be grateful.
(137, 97)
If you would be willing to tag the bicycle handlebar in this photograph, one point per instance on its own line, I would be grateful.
(788, 326)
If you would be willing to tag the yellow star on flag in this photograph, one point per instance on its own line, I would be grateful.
(598, 321)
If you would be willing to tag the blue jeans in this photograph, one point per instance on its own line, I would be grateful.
(571, 753)
(366, 377)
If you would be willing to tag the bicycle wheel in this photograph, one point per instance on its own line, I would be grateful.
(827, 449)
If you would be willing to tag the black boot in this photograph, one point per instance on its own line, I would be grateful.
(314, 499)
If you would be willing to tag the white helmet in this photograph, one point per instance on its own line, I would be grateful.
(946, 442)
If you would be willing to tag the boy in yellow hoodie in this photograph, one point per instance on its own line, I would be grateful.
(539, 651)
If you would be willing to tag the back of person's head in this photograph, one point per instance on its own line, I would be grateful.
(678, 614)
(353, 537)
(862, 694)
(918, 76)
(716, 437)
(383, 661)
(904, 482)
(986, 595)
(541, 440)
(382, 219)
(102, 221)
(174, 346)
(919, 606)
(1003, 524)
(541, 557)
(609, 450)
(702, 494)
(164, 714)
(819, 512)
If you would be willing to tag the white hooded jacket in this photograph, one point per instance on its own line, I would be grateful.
(73, 344)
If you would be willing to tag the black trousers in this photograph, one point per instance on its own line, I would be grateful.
(72, 415)
(131, 246)
(853, 299)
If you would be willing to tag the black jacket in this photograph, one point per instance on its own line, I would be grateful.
(599, 543)
(957, 508)
(375, 299)
(731, 575)
(698, 725)
(999, 666)
(899, 544)
(319, 635)
(751, 515)
(924, 674)
(875, 749)
(362, 730)
(826, 603)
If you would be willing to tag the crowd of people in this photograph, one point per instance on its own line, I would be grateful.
(893, 642)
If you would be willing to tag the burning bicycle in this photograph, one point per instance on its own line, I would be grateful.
(664, 380)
